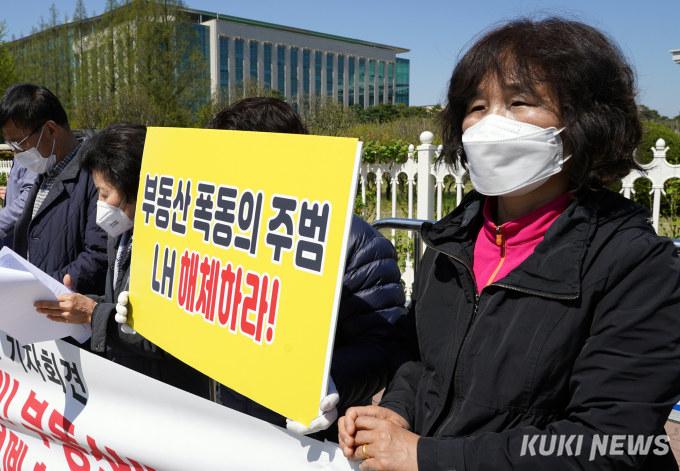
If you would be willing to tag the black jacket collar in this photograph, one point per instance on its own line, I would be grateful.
(555, 267)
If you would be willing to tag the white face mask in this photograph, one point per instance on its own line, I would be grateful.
(113, 220)
(510, 158)
(33, 161)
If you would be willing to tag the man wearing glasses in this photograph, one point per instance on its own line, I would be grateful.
(19, 183)
(57, 230)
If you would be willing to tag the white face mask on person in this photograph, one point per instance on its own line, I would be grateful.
(33, 161)
(511, 158)
(113, 220)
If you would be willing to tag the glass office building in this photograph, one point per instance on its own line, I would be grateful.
(403, 72)
(268, 66)
(341, 78)
(300, 63)
(224, 63)
(297, 62)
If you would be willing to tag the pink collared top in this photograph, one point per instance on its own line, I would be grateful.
(500, 249)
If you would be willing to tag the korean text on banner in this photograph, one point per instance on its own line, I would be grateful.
(64, 409)
(238, 257)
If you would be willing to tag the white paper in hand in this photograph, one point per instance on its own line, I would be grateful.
(21, 285)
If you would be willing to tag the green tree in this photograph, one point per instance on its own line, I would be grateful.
(278, 94)
(139, 53)
(669, 223)
(650, 115)
(8, 69)
(325, 116)
(652, 133)
(387, 112)
(226, 96)
(172, 69)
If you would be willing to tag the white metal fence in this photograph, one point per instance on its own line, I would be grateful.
(5, 166)
(430, 178)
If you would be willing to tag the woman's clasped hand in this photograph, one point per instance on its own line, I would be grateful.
(380, 437)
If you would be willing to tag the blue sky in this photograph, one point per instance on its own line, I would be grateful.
(437, 30)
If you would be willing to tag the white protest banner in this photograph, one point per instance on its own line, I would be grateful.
(22, 284)
(62, 408)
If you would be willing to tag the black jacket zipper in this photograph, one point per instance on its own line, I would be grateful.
(454, 403)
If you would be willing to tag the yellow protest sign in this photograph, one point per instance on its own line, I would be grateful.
(238, 257)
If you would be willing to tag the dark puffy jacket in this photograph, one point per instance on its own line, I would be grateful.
(372, 300)
(133, 350)
(63, 237)
(581, 339)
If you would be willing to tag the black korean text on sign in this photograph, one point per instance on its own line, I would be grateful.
(285, 207)
(163, 278)
(164, 202)
(30, 349)
(203, 209)
(180, 205)
(71, 375)
(21, 358)
(249, 217)
(223, 230)
(150, 191)
(52, 369)
(310, 248)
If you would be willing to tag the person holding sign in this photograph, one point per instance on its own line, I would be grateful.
(547, 309)
(114, 156)
(372, 294)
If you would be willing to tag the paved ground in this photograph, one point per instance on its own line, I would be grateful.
(673, 431)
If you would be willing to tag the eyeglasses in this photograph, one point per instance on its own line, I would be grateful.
(17, 145)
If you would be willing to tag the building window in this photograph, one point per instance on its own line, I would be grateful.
(253, 59)
(351, 81)
(293, 71)
(341, 79)
(268, 66)
(224, 63)
(362, 81)
(305, 72)
(403, 72)
(281, 67)
(390, 82)
(238, 53)
(317, 72)
(381, 82)
(371, 83)
(329, 74)
(202, 43)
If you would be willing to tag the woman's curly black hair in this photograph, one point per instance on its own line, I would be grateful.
(590, 76)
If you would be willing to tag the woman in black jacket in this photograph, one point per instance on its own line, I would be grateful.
(114, 156)
(546, 312)
(372, 295)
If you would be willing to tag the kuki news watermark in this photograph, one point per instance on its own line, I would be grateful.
(573, 445)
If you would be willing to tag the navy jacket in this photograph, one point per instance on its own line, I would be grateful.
(64, 236)
(372, 299)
